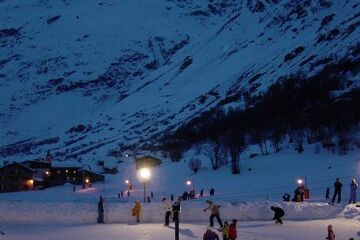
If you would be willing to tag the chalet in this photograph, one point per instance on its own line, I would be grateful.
(16, 177)
(65, 172)
(147, 161)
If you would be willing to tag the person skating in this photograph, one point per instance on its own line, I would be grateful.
(167, 208)
(353, 190)
(337, 192)
(215, 212)
(278, 214)
(210, 235)
(331, 234)
(225, 231)
(100, 210)
(232, 230)
(136, 210)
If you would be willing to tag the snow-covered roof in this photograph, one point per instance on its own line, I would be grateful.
(65, 164)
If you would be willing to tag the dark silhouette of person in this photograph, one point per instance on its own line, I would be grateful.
(201, 193)
(278, 214)
(212, 192)
(101, 210)
(327, 193)
(337, 192)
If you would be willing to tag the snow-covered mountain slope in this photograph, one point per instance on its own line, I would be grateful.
(82, 78)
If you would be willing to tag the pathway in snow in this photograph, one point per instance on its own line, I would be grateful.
(250, 230)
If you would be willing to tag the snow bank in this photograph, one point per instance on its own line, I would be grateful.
(192, 211)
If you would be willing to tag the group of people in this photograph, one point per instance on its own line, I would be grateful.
(337, 191)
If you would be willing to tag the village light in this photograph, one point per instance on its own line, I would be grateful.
(188, 182)
(127, 181)
(144, 175)
(87, 180)
(47, 173)
(300, 181)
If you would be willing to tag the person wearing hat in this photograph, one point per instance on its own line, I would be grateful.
(331, 234)
(215, 212)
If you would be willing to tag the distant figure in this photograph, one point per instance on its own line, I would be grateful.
(286, 197)
(278, 214)
(337, 192)
(225, 231)
(185, 196)
(74, 189)
(136, 210)
(215, 212)
(210, 235)
(152, 195)
(148, 199)
(192, 194)
(201, 193)
(167, 209)
(172, 197)
(299, 194)
(128, 193)
(232, 230)
(353, 190)
(212, 192)
(100, 210)
(331, 234)
(327, 194)
(121, 193)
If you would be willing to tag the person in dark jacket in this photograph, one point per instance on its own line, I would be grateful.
(337, 192)
(278, 214)
(210, 235)
(212, 192)
(327, 194)
(101, 210)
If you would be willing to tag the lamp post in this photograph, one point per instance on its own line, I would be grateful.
(144, 174)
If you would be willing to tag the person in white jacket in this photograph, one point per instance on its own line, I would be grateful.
(167, 208)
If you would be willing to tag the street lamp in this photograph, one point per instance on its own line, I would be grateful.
(144, 175)
(300, 182)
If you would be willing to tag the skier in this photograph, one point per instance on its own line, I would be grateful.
(101, 210)
(167, 209)
(152, 195)
(331, 234)
(353, 190)
(278, 214)
(327, 194)
(215, 212)
(232, 230)
(225, 230)
(210, 235)
(212, 192)
(148, 199)
(136, 210)
(337, 192)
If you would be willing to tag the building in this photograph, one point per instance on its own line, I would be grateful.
(16, 177)
(147, 161)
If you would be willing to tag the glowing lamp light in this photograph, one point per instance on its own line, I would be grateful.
(31, 182)
(87, 180)
(144, 174)
(127, 181)
(47, 173)
(188, 182)
(300, 181)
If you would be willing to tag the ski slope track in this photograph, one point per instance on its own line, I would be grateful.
(81, 78)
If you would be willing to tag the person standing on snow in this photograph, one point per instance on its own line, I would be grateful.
(225, 231)
(353, 190)
(215, 212)
(337, 192)
(136, 210)
(100, 210)
(210, 235)
(232, 230)
(331, 234)
(167, 208)
(212, 192)
(327, 194)
(278, 214)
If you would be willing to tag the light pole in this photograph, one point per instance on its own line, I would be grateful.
(144, 175)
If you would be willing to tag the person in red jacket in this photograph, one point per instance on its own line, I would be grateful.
(210, 235)
(232, 230)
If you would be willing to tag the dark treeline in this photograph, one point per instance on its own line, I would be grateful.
(296, 109)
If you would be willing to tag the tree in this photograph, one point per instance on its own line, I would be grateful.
(235, 142)
(194, 164)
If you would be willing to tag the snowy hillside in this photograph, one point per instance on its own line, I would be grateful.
(81, 78)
